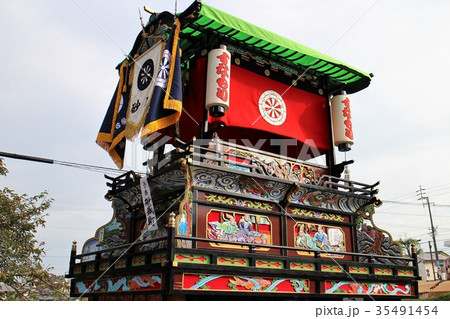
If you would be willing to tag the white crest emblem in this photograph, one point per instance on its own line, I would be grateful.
(163, 73)
(272, 107)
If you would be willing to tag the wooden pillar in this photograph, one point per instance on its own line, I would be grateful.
(73, 253)
(170, 263)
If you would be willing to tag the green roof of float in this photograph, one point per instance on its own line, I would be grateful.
(290, 52)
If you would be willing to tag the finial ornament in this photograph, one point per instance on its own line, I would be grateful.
(413, 249)
(172, 220)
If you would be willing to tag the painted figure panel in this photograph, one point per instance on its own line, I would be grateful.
(318, 237)
(238, 227)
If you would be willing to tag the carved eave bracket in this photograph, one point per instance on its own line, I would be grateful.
(125, 187)
(373, 240)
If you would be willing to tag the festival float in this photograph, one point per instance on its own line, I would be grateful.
(233, 205)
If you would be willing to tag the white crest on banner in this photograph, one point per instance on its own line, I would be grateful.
(163, 73)
(272, 107)
(144, 79)
(147, 201)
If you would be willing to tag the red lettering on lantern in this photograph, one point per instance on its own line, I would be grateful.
(223, 70)
(348, 122)
(222, 92)
(224, 58)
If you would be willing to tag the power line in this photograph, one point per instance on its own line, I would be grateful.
(404, 196)
(412, 203)
(440, 189)
(412, 194)
(438, 186)
(93, 168)
(441, 193)
(400, 202)
(394, 213)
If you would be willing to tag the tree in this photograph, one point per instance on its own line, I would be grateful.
(21, 268)
(407, 243)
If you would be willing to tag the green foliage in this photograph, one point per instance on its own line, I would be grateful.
(443, 297)
(21, 268)
(406, 246)
(3, 170)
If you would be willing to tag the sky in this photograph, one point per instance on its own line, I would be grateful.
(58, 76)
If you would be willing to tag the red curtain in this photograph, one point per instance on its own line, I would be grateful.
(306, 114)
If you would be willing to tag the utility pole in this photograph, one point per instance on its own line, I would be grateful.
(421, 192)
(432, 262)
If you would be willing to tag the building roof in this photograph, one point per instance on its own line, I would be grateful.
(442, 286)
(201, 20)
(427, 257)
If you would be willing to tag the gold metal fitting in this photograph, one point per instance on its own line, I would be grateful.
(413, 249)
(172, 220)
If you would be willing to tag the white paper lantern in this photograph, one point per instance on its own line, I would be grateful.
(342, 122)
(218, 82)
